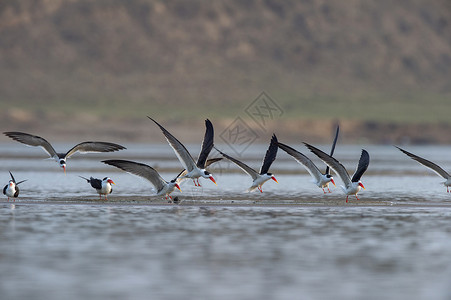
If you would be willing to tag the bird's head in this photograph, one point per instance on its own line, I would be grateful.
(11, 183)
(108, 180)
(361, 185)
(328, 176)
(209, 176)
(272, 177)
(63, 164)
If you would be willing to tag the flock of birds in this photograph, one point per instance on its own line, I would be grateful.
(196, 169)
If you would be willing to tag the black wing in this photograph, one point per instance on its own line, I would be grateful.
(180, 150)
(429, 164)
(32, 140)
(4, 189)
(270, 155)
(12, 177)
(207, 145)
(333, 147)
(87, 147)
(364, 161)
(95, 183)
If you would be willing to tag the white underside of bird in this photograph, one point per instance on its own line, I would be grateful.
(10, 190)
(259, 181)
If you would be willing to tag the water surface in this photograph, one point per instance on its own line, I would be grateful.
(58, 241)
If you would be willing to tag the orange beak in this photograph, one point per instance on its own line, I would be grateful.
(178, 187)
(212, 179)
(331, 180)
(274, 178)
(362, 185)
(64, 168)
(111, 181)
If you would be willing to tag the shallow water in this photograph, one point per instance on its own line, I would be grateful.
(58, 241)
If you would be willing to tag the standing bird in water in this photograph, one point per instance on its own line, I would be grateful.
(85, 147)
(320, 179)
(103, 187)
(194, 170)
(259, 178)
(429, 164)
(12, 189)
(352, 185)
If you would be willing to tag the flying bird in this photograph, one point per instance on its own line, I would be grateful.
(320, 179)
(84, 147)
(210, 161)
(352, 185)
(438, 170)
(103, 187)
(163, 187)
(194, 170)
(259, 178)
(12, 189)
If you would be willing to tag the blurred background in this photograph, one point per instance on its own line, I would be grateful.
(85, 69)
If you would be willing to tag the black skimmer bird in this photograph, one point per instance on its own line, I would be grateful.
(352, 185)
(429, 164)
(320, 179)
(259, 178)
(194, 170)
(207, 163)
(103, 187)
(163, 187)
(12, 189)
(85, 147)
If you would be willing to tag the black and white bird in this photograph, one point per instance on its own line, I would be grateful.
(322, 180)
(209, 162)
(429, 164)
(12, 189)
(194, 170)
(84, 147)
(259, 178)
(162, 187)
(102, 186)
(351, 185)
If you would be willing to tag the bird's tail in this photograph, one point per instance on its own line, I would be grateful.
(85, 178)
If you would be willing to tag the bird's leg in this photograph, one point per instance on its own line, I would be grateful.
(323, 190)
(347, 199)
(447, 189)
(194, 180)
(198, 184)
(329, 190)
(170, 197)
(357, 197)
(260, 189)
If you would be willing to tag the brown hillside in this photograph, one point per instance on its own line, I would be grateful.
(116, 60)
